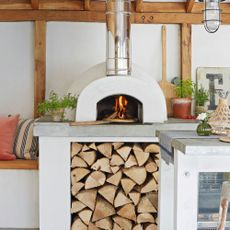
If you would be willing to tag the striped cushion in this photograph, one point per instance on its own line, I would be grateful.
(25, 145)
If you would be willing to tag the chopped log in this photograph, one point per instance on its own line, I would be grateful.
(145, 205)
(151, 166)
(121, 200)
(123, 223)
(153, 198)
(116, 160)
(93, 146)
(78, 162)
(145, 218)
(115, 179)
(77, 206)
(131, 162)
(128, 211)
(88, 197)
(135, 197)
(127, 185)
(152, 148)
(141, 157)
(78, 225)
(115, 169)
(102, 165)
(116, 227)
(151, 227)
(78, 173)
(88, 157)
(102, 210)
(85, 148)
(138, 227)
(85, 216)
(137, 147)
(117, 145)
(105, 149)
(137, 174)
(138, 188)
(76, 188)
(156, 176)
(124, 152)
(76, 148)
(108, 192)
(150, 186)
(95, 179)
(92, 227)
(105, 223)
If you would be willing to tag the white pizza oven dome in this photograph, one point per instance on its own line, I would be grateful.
(119, 94)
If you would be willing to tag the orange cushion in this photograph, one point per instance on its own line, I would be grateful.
(8, 127)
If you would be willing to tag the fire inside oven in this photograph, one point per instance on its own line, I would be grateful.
(120, 108)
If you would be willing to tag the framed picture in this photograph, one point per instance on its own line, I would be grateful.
(214, 79)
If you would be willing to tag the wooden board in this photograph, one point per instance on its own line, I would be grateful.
(19, 164)
(167, 88)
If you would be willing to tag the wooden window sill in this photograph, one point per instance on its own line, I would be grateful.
(19, 164)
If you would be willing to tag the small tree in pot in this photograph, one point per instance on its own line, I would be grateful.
(182, 103)
(201, 96)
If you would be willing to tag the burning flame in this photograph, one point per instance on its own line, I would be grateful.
(120, 107)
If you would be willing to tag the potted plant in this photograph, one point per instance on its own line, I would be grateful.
(201, 96)
(55, 105)
(181, 105)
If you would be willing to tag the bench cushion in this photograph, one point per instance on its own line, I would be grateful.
(26, 145)
(7, 134)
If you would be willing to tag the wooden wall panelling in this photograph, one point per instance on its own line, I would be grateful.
(86, 4)
(139, 6)
(39, 64)
(186, 51)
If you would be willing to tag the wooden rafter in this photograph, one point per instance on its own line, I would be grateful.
(190, 5)
(86, 4)
(39, 64)
(35, 4)
(139, 6)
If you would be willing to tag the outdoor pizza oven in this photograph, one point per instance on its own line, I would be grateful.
(118, 94)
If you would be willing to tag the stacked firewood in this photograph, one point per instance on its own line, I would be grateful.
(114, 186)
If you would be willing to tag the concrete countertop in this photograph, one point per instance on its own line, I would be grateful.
(64, 129)
(201, 146)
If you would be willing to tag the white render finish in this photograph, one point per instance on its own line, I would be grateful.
(191, 156)
(19, 204)
(148, 93)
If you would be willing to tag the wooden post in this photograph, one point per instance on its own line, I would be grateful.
(86, 4)
(139, 6)
(186, 54)
(39, 64)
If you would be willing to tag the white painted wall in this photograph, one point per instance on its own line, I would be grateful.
(72, 48)
(16, 68)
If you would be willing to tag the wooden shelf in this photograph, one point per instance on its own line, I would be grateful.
(19, 164)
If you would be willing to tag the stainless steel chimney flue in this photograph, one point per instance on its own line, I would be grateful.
(118, 25)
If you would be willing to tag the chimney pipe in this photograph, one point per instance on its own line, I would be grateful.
(118, 61)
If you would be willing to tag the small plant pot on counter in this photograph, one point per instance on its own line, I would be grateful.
(58, 115)
(201, 109)
(181, 107)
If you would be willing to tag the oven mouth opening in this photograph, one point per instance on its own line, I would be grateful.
(120, 109)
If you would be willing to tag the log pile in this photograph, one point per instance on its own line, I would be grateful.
(114, 186)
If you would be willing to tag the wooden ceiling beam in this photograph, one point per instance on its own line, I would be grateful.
(190, 5)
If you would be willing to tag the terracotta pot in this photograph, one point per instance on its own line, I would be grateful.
(181, 107)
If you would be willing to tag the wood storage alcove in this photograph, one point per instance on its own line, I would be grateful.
(114, 186)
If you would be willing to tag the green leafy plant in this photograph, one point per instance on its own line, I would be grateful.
(184, 89)
(54, 103)
(201, 95)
